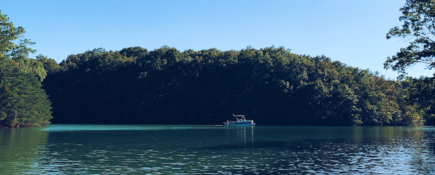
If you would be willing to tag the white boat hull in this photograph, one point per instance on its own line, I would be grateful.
(240, 121)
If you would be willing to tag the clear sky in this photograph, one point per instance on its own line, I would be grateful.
(350, 31)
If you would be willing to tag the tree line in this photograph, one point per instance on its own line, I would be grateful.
(270, 85)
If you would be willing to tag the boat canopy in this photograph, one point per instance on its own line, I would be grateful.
(243, 116)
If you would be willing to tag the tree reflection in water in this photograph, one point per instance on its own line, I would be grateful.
(100, 149)
(19, 148)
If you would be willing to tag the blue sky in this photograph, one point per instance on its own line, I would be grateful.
(349, 31)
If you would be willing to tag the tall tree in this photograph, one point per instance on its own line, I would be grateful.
(23, 102)
(418, 17)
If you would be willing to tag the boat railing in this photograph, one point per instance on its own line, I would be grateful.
(242, 117)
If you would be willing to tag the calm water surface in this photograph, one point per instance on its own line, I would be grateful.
(183, 149)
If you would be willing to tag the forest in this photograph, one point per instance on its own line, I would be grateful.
(271, 85)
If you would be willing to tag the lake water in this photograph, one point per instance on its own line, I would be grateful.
(183, 149)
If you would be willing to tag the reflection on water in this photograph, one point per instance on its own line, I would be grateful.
(225, 150)
(239, 137)
(18, 149)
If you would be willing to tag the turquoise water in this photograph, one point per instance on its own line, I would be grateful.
(186, 149)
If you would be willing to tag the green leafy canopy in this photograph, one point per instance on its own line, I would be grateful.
(418, 17)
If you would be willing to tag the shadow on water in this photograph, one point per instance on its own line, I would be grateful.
(335, 149)
(18, 149)
(301, 138)
(258, 144)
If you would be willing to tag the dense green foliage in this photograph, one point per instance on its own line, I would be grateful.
(270, 85)
(23, 101)
(423, 93)
(418, 17)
